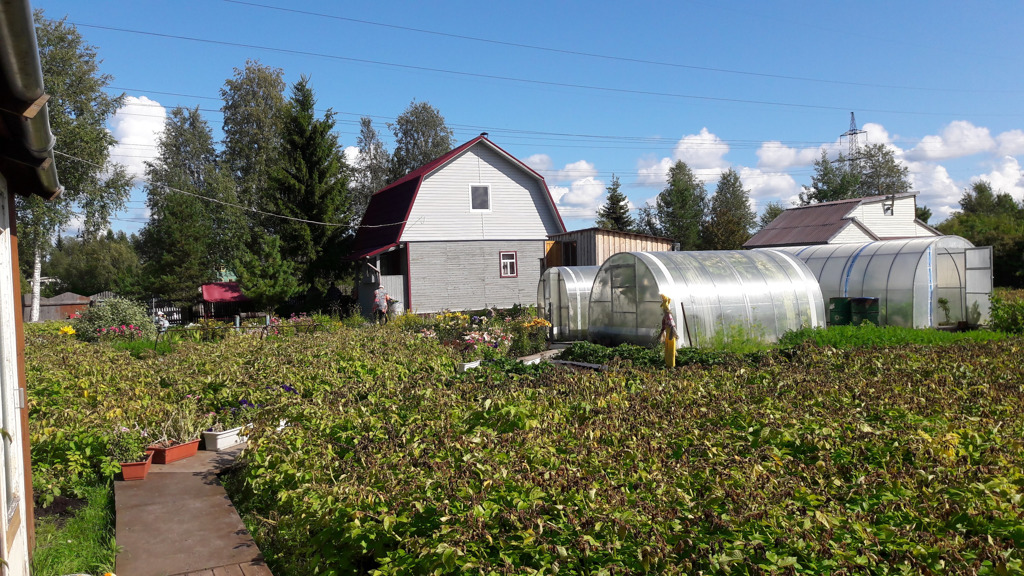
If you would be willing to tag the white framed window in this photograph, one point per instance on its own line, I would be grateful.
(509, 264)
(479, 198)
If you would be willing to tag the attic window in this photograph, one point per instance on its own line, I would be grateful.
(480, 198)
(887, 209)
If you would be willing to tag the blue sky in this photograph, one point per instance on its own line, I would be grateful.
(584, 90)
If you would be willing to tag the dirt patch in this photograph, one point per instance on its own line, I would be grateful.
(60, 510)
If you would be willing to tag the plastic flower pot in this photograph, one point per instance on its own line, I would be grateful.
(166, 455)
(136, 470)
(465, 366)
(216, 441)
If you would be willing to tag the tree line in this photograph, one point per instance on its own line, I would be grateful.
(275, 203)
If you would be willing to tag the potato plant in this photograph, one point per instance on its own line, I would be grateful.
(894, 460)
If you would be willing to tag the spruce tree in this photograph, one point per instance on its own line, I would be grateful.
(730, 218)
(681, 207)
(614, 215)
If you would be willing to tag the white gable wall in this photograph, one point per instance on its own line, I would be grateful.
(901, 224)
(520, 208)
(851, 234)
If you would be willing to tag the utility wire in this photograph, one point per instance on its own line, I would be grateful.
(523, 80)
(596, 55)
(239, 206)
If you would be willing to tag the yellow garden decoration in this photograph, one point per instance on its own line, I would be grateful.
(67, 330)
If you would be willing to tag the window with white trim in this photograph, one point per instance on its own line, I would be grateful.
(509, 265)
(480, 198)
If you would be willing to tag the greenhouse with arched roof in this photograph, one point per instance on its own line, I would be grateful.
(919, 282)
(716, 296)
(563, 297)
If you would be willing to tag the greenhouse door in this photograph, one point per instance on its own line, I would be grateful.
(978, 284)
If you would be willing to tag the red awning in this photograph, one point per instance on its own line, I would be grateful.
(223, 292)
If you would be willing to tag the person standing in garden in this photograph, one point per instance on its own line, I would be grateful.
(380, 305)
(161, 322)
(668, 332)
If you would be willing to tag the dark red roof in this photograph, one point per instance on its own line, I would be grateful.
(389, 208)
(222, 292)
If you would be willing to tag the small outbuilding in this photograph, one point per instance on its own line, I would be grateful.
(716, 296)
(914, 280)
(592, 246)
(563, 297)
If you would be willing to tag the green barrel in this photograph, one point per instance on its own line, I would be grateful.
(862, 309)
(838, 311)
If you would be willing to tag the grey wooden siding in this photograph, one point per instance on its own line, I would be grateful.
(519, 204)
(467, 275)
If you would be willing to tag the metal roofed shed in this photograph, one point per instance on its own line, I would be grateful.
(715, 296)
(909, 277)
(563, 297)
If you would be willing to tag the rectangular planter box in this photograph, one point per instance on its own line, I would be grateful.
(220, 440)
(174, 453)
(136, 470)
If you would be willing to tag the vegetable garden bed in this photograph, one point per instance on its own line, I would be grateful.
(891, 460)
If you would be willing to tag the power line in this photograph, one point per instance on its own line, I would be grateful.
(602, 56)
(606, 89)
(239, 206)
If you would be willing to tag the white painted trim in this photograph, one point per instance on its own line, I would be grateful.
(490, 199)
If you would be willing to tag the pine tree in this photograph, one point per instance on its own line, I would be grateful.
(771, 212)
(310, 183)
(730, 218)
(265, 277)
(681, 207)
(614, 215)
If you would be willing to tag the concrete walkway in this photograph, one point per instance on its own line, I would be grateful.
(180, 522)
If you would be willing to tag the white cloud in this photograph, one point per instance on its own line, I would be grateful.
(653, 172)
(352, 155)
(137, 126)
(876, 134)
(581, 199)
(702, 151)
(573, 171)
(769, 186)
(777, 156)
(1006, 176)
(960, 138)
(1011, 143)
(937, 190)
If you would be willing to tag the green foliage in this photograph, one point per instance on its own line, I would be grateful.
(91, 266)
(771, 212)
(996, 220)
(614, 215)
(420, 136)
(730, 218)
(874, 172)
(265, 276)
(871, 336)
(923, 213)
(253, 115)
(114, 313)
(806, 461)
(373, 171)
(80, 541)
(1007, 313)
(310, 183)
(681, 207)
(127, 444)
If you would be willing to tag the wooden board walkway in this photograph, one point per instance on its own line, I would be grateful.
(179, 521)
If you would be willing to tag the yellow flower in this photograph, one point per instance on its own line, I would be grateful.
(67, 330)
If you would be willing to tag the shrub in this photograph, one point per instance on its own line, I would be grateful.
(1007, 313)
(114, 313)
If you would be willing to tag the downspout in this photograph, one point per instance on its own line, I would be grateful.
(23, 73)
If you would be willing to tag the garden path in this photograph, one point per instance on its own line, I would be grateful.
(179, 521)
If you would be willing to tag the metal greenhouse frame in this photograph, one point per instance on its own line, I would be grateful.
(909, 277)
(716, 296)
(563, 297)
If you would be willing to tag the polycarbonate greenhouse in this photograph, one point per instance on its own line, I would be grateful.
(909, 277)
(716, 296)
(563, 297)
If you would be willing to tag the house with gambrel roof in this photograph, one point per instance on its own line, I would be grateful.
(852, 221)
(465, 231)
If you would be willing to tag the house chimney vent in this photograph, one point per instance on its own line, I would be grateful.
(483, 134)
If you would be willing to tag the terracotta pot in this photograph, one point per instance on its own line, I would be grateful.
(174, 453)
(215, 441)
(136, 470)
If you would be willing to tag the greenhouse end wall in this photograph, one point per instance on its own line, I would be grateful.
(563, 297)
(913, 279)
(716, 296)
